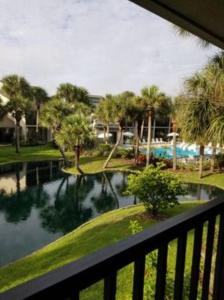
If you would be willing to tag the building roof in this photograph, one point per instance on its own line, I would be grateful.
(204, 18)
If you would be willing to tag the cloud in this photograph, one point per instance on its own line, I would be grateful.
(104, 45)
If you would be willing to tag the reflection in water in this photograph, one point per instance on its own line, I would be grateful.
(39, 203)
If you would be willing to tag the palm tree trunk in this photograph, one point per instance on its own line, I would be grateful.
(174, 153)
(154, 127)
(63, 154)
(169, 128)
(142, 129)
(77, 156)
(114, 148)
(136, 146)
(17, 135)
(149, 137)
(213, 159)
(201, 151)
(37, 120)
(107, 134)
(104, 135)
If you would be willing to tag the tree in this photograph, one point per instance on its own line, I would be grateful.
(52, 114)
(152, 98)
(72, 93)
(156, 189)
(18, 91)
(136, 113)
(75, 132)
(196, 115)
(104, 111)
(40, 97)
(119, 115)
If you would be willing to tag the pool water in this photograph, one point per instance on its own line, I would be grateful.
(167, 152)
(39, 203)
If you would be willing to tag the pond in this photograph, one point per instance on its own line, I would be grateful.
(39, 203)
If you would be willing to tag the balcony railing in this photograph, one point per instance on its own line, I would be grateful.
(68, 281)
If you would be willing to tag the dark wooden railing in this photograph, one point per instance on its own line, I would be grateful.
(68, 281)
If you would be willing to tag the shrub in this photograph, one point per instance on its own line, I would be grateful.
(103, 149)
(156, 189)
(124, 153)
(220, 160)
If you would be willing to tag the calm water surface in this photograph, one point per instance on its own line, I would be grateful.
(39, 203)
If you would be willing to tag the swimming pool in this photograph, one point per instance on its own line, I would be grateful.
(167, 152)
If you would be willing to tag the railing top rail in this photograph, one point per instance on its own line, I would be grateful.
(90, 269)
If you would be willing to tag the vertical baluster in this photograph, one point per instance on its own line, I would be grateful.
(195, 269)
(180, 264)
(218, 293)
(110, 286)
(161, 272)
(208, 258)
(138, 284)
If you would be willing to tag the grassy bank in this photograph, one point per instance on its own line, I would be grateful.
(100, 232)
(44, 152)
(215, 179)
(91, 165)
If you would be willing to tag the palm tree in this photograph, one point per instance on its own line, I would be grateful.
(152, 98)
(52, 114)
(136, 113)
(197, 114)
(72, 93)
(214, 72)
(119, 115)
(19, 93)
(104, 112)
(75, 132)
(174, 114)
(40, 97)
(184, 33)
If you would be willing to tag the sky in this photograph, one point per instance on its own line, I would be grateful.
(107, 46)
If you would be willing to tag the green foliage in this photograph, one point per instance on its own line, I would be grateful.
(72, 93)
(155, 188)
(19, 93)
(124, 153)
(75, 131)
(103, 149)
(220, 160)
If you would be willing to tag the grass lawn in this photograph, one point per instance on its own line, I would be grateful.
(44, 152)
(102, 231)
(216, 179)
(90, 165)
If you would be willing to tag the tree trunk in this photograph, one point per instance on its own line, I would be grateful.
(77, 156)
(107, 135)
(169, 128)
(202, 148)
(63, 155)
(149, 137)
(104, 135)
(136, 146)
(154, 128)
(114, 148)
(174, 153)
(142, 129)
(37, 120)
(17, 135)
(213, 159)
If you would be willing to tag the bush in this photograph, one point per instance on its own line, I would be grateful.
(124, 153)
(103, 149)
(154, 161)
(156, 189)
(220, 160)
